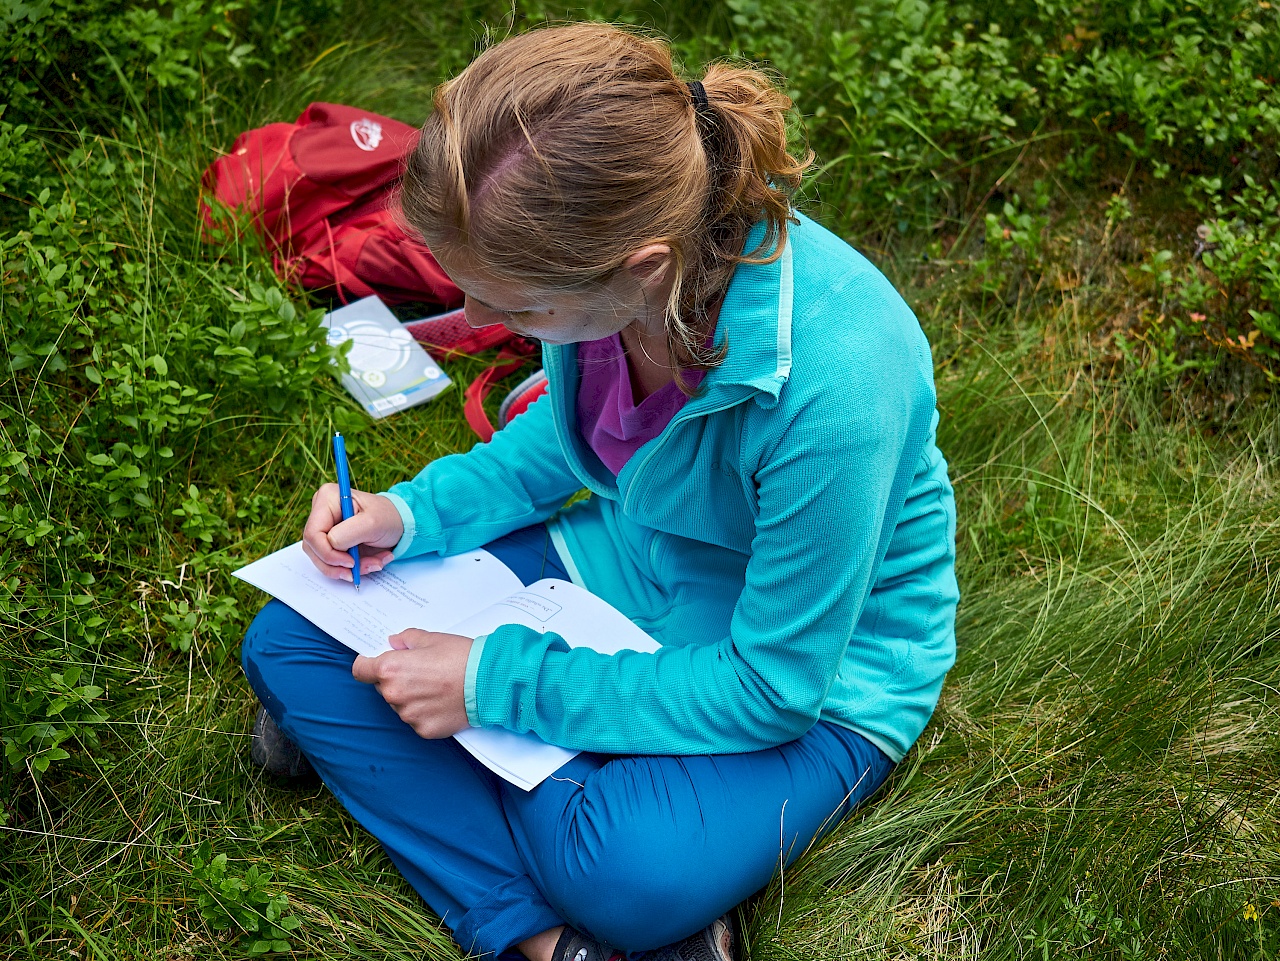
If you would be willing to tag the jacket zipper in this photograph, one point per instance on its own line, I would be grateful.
(661, 439)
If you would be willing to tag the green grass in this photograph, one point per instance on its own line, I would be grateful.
(1100, 778)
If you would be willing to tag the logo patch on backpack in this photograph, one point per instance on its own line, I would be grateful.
(366, 133)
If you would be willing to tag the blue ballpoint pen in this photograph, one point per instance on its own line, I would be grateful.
(344, 498)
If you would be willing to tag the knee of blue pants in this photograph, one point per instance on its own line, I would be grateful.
(632, 896)
(275, 631)
(611, 871)
(649, 850)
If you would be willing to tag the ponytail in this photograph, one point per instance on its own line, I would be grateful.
(751, 178)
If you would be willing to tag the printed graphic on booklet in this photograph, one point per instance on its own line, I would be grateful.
(389, 369)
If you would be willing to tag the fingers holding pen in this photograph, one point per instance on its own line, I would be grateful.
(325, 514)
(326, 538)
(371, 561)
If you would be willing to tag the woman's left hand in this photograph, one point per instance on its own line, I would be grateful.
(423, 680)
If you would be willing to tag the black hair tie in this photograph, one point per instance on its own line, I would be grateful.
(700, 102)
(709, 132)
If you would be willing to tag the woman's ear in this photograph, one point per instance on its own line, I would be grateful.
(650, 266)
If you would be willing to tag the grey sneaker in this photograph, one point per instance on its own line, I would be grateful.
(712, 943)
(274, 752)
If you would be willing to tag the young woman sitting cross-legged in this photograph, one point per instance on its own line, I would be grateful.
(751, 406)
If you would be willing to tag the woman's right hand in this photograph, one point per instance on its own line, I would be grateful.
(376, 527)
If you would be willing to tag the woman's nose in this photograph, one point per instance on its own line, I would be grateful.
(478, 315)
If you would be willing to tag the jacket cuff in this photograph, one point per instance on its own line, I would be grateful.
(506, 678)
(407, 519)
(469, 684)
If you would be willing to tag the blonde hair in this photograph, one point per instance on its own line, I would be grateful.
(559, 152)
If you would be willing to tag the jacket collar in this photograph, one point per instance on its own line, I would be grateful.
(755, 321)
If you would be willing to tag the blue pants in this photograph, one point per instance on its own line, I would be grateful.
(635, 851)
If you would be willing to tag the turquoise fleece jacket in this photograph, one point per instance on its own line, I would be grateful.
(789, 538)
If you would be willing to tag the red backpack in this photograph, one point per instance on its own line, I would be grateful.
(319, 191)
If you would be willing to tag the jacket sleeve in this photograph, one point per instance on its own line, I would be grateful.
(463, 501)
(830, 486)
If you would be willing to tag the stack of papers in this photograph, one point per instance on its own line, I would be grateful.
(470, 594)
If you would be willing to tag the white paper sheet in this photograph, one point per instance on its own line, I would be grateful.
(470, 594)
(433, 593)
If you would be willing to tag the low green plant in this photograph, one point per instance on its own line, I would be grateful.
(272, 350)
(44, 709)
(1085, 925)
(915, 106)
(18, 521)
(1013, 246)
(199, 520)
(917, 92)
(229, 900)
(169, 47)
(1238, 288)
(217, 618)
(1161, 348)
(1174, 84)
(1221, 304)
